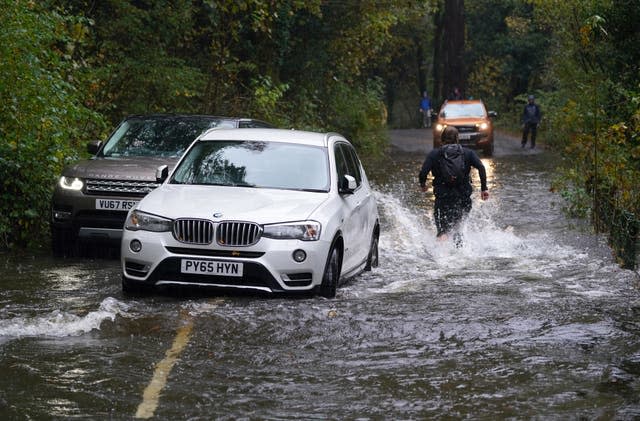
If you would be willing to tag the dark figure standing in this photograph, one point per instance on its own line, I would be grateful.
(455, 95)
(530, 121)
(425, 109)
(452, 199)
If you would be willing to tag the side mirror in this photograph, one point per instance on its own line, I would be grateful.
(347, 185)
(162, 172)
(94, 146)
(492, 114)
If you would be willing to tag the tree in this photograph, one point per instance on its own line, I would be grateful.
(454, 42)
(596, 113)
(450, 38)
(43, 116)
(141, 56)
(506, 50)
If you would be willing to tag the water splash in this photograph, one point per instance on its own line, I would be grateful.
(412, 258)
(62, 323)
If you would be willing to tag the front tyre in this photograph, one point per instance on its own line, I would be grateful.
(488, 151)
(331, 274)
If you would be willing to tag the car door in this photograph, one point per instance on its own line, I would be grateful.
(365, 205)
(353, 204)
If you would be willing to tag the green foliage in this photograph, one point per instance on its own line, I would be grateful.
(71, 69)
(488, 81)
(42, 115)
(300, 64)
(596, 107)
(266, 98)
(141, 57)
(505, 50)
(360, 114)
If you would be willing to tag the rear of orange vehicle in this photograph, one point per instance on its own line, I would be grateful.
(474, 124)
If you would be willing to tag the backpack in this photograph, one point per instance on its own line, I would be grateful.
(452, 165)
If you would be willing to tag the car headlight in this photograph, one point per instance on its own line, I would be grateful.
(71, 183)
(142, 221)
(440, 127)
(483, 126)
(304, 230)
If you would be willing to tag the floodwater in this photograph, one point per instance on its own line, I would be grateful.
(530, 318)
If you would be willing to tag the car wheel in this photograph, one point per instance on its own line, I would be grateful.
(331, 274)
(372, 259)
(488, 151)
(62, 242)
(130, 287)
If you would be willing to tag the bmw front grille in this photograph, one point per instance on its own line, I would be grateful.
(193, 231)
(228, 233)
(236, 234)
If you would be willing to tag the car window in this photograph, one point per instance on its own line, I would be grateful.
(253, 124)
(347, 162)
(276, 165)
(225, 124)
(463, 110)
(353, 162)
(341, 163)
(164, 136)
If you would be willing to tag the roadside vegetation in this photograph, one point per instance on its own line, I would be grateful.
(72, 69)
(593, 107)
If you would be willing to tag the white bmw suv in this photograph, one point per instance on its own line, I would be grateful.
(255, 209)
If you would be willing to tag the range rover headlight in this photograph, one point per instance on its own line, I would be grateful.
(142, 221)
(303, 230)
(483, 126)
(440, 127)
(71, 183)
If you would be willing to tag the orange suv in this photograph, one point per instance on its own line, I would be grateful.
(470, 117)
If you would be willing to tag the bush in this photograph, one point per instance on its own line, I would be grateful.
(43, 117)
(360, 115)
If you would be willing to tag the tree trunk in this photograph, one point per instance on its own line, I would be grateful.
(453, 69)
(437, 93)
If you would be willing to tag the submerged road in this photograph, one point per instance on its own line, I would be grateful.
(531, 318)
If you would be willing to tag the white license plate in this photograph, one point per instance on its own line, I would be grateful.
(211, 267)
(114, 204)
(464, 136)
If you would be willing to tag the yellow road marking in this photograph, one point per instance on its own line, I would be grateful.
(151, 394)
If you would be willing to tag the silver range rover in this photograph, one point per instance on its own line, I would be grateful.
(92, 197)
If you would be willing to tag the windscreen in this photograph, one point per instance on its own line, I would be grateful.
(463, 110)
(255, 164)
(157, 136)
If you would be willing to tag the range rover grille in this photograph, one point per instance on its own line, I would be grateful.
(193, 231)
(119, 187)
(236, 234)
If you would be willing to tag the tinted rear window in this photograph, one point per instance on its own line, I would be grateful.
(165, 136)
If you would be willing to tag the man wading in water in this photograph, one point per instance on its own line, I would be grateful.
(450, 166)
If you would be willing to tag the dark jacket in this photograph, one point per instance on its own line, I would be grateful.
(471, 159)
(531, 114)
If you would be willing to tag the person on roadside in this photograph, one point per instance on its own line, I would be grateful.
(456, 95)
(425, 109)
(530, 121)
(452, 197)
